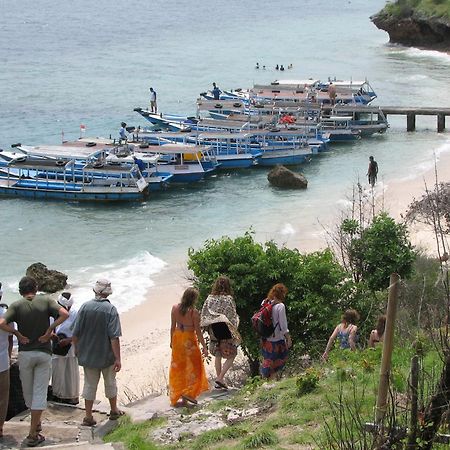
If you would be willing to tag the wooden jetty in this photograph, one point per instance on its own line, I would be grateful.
(412, 112)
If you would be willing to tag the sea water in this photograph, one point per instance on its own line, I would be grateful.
(66, 64)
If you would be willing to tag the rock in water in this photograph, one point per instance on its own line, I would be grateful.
(282, 177)
(48, 280)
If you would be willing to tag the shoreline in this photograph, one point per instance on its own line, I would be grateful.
(145, 342)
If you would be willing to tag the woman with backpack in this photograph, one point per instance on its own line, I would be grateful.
(220, 319)
(275, 348)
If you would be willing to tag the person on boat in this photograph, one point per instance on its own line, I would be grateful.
(123, 132)
(65, 370)
(98, 348)
(332, 93)
(277, 67)
(153, 106)
(281, 67)
(220, 319)
(32, 315)
(216, 92)
(345, 333)
(372, 171)
(275, 349)
(187, 376)
(377, 335)
(257, 66)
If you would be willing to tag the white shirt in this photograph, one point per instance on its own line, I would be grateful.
(279, 321)
(153, 96)
(4, 344)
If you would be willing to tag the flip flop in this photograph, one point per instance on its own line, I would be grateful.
(115, 415)
(34, 441)
(87, 422)
(189, 399)
(221, 385)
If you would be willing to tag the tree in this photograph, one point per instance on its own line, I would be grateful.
(319, 288)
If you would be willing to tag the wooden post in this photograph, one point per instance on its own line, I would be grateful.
(414, 403)
(410, 122)
(440, 123)
(388, 344)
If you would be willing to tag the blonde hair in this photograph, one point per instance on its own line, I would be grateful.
(190, 296)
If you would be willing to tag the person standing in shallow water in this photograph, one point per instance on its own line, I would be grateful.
(372, 171)
(187, 376)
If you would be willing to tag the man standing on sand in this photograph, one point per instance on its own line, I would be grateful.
(372, 171)
(32, 315)
(153, 107)
(96, 336)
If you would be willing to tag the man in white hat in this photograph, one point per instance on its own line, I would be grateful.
(96, 336)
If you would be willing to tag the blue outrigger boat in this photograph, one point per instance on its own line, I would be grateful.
(34, 177)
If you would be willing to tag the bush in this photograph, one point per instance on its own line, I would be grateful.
(319, 288)
(307, 381)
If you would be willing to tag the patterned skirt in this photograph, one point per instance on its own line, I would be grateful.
(274, 355)
(187, 374)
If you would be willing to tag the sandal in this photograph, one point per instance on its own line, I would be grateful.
(89, 422)
(189, 399)
(115, 415)
(221, 385)
(34, 441)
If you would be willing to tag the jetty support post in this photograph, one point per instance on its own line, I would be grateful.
(440, 123)
(388, 345)
(410, 122)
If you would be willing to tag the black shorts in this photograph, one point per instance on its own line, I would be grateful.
(221, 331)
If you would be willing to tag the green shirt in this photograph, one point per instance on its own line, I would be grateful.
(32, 318)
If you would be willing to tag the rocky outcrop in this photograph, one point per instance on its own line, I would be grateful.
(414, 29)
(48, 280)
(282, 177)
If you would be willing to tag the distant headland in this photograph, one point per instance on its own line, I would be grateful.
(415, 23)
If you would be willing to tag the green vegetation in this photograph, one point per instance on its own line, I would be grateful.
(346, 384)
(427, 8)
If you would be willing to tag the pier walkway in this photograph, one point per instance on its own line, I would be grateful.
(412, 112)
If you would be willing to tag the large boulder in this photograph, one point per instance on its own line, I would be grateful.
(48, 280)
(282, 177)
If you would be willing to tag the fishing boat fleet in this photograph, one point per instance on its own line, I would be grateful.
(286, 122)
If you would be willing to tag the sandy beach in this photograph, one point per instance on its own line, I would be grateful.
(145, 342)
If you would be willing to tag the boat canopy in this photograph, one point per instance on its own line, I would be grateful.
(185, 149)
(59, 151)
(308, 82)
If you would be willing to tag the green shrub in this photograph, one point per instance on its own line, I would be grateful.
(308, 381)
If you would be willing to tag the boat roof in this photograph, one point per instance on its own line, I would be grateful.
(223, 136)
(203, 104)
(348, 82)
(304, 82)
(171, 149)
(60, 151)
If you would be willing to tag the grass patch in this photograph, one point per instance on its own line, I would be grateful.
(135, 435)
(216, 436)
(261, 438)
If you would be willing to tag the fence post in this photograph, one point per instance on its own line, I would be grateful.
(414, 402)
(388, 344)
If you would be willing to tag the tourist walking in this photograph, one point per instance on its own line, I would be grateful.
(216, 92)
(32, 316)
(372, 171)
(187, 376)
(220, 319)
(153, 106)
(275, 349)
(96, 336)
(345, 333)
(377, 335)
(6, 344)
(65, 370)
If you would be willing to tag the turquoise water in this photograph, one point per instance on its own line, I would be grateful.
(91, 63)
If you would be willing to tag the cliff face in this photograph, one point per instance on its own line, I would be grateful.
(414, 29)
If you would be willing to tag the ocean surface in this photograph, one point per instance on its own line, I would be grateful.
(66, 64)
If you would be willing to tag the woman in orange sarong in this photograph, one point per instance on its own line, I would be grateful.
(187, 376)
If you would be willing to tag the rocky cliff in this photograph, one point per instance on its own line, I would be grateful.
(411, 27)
